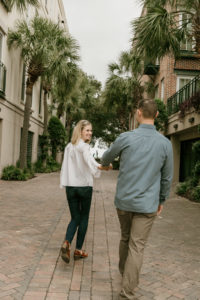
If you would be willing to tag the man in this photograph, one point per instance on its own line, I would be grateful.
(145, 175)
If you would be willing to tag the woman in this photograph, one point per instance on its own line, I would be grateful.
(77, 173)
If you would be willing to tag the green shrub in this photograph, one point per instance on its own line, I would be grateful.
(196, 193)
(197, 169)
(182, 188)
(57, 135)
(191, 188)
(51, 166)
(162, 118)
(14, 173)
(196, 148)
(52, 163)
(193, 181)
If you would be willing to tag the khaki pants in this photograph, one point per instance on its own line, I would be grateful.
(135, 229)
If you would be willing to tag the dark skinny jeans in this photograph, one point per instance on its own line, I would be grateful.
(79, 200)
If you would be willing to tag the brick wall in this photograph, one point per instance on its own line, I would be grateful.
(168, 68)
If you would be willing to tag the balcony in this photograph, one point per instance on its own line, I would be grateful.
(188, 54)
(151, 68)
(2, 80)
(189, 90)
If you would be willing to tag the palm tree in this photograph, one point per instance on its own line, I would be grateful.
(165, 25)
(60, 78)
(21, 5)
(38, 44)
(123, 87)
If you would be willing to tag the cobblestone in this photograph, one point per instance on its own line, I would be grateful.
(33, 221)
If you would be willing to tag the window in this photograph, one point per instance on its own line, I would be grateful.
(40, 100)
(188, 43)
(1, 44)
(156, 91)
(182, 80)
(162, 89)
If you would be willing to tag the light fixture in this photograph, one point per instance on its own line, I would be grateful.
(191, 120)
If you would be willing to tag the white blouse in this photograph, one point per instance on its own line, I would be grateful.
(79, 166)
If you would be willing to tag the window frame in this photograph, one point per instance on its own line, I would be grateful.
(162, 90)
(190, 77)
(1, 44)
(187, 44)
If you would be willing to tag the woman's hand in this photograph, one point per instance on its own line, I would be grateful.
(105, 168)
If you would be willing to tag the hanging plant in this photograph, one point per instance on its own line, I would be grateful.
(192, 102)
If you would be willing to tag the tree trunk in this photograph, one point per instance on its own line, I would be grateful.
(132, 120)
(68, 129)
(45, 112)
(24, 138)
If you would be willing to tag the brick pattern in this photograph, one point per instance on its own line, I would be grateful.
(168, 64)
(187, 64)
(30, 263)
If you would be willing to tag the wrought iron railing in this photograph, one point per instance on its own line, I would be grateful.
(190, 89)
(2, 79)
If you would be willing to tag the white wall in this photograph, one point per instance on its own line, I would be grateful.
(11, 108)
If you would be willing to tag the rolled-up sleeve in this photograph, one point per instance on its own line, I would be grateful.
(114, 150)
(166, 174)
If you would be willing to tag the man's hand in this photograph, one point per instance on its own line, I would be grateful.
(160, 208)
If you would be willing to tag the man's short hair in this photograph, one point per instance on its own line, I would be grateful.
(148, 108)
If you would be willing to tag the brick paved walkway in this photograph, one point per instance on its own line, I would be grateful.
(33, 219)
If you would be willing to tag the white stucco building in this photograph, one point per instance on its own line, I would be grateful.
(12, 84)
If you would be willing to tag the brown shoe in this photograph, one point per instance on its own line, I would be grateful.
(65, 251)
(78, 254)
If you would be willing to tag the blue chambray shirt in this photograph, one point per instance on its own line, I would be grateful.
(146, 169)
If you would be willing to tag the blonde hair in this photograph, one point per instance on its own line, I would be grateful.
(76, 135)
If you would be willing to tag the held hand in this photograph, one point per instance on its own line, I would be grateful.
(160, 208)
(105, 168)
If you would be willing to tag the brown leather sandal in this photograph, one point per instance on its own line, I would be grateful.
(78, 254)
(65, 251)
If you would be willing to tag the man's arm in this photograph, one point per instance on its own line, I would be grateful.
(166, 175)
(114, 150)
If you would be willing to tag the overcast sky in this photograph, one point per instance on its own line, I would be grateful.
(103, 30)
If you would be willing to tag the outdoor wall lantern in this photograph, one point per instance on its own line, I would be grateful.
(175, 126)
(191, 120)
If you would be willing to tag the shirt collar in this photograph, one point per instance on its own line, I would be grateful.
(147, 126)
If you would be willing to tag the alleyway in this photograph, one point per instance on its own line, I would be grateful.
(33, 219)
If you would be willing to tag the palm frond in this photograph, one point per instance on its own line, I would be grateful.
(157, 33)
(22, 5)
